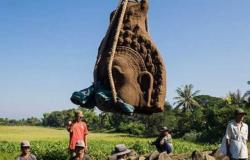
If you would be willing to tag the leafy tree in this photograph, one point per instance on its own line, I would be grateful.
(54, 119)
(185, 99)
(68, 115)
(105, 120)
(3, 121)
(117, 119)
(134, 128)
(216, 123)
(170, 118)
(91, 118)
(155, 121)
(12, 122)
(209, 101)
(33, 121)
(61, 118)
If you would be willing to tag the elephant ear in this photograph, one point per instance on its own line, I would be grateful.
(146, 80)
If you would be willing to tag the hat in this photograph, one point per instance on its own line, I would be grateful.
(80, 143)
(120, 149)
(239, 111)
(25, 143)
(163, 129)
(78, 112)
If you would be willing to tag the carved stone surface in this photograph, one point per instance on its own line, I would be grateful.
(138, 70)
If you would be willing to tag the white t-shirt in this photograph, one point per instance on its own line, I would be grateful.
(238, 135)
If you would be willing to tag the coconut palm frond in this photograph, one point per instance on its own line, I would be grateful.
(196, 93)
(185, 98)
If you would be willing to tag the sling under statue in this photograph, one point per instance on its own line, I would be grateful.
(129, 74)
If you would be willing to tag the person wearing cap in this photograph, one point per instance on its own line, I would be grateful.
(164, 141)
(236, 136)
(80, 153)
(120, 152)
(25, 149)
(78, 130)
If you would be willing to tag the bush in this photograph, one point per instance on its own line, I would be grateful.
(142, 148)
(132, 128)
(192, 136)
(50, 151)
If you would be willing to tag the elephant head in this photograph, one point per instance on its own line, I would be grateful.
(138, 71)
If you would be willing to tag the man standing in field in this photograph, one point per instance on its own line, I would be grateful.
(237, 136)
(78, 131)
(25, 149)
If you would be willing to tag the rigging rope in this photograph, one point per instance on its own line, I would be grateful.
(104, 43)
(113, 50)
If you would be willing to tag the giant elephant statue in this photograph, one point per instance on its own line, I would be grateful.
(129, 74)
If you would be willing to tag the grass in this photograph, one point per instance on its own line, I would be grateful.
(54, 142)
(19, 133)
(32, 133)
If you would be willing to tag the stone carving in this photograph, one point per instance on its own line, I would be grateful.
(129, 74)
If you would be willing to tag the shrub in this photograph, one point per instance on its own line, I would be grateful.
(192, 136)
(132, 128)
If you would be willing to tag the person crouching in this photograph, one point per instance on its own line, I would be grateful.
(164, 141)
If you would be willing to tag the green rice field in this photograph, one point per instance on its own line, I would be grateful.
(51, 143)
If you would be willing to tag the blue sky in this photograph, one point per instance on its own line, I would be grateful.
(48, 48)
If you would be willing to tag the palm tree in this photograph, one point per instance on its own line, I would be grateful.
(185, 98)
(235, 98)
(247, 95)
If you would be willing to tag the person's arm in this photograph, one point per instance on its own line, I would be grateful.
(246, 136)
(228, 148)
(247, 133)
(86, 143)
(85, 137)
(69, 126)
(169, 139)
(163, 141)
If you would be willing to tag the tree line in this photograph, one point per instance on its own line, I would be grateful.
(32, 121)
(192, 117)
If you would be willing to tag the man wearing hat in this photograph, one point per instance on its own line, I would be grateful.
(120, 152)
(25, 149)
(80, 153)
(237, 136)
(78, 131)
(164, 141)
